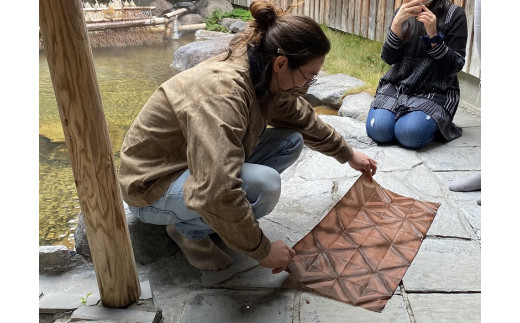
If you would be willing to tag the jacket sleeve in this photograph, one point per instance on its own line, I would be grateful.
(214, 131)
(299, 115)
(449, 56)
(393, 49)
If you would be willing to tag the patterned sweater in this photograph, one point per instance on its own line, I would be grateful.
(425, 79)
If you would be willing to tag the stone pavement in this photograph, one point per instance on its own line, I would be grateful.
(442, 284)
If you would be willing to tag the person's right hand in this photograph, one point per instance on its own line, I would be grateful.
(409, 8)
(278, 258)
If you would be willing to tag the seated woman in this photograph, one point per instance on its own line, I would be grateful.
(418, 97)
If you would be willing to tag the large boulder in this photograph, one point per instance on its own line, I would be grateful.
(206, 7)
(329, 89)
(190, 19)
(234, 25)
(193, 53)
(56, 259)
(191, 6)
(161, 7)
(356, 106)
(149, 242)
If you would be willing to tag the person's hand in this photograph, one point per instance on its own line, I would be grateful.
(363, 163)
(429, 20)
(409, 8)
(278, 258)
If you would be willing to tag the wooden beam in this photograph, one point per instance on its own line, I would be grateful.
(71, 65)
(127, 24)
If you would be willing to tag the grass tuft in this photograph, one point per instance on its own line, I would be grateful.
(357, 57)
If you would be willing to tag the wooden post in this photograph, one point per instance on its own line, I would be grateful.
(74, 79)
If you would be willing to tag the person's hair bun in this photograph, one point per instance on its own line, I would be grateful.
(265, 12)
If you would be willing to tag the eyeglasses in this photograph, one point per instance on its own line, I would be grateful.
(308, 82)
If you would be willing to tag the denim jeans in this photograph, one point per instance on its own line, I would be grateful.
(413, 130)
(276, 151)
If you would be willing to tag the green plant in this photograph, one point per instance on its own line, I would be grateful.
(212, 23)
(239, 13)
(84, 299)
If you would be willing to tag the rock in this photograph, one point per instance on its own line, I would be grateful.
(161, 7)
(193, 53)
(190, 19)
(209, 34)
(206, 7)
(356, 106)
(57, 259)
(191, 6)
(239, 26)
(329, 89)
(149, 242)
(353, 131)
(227, 22)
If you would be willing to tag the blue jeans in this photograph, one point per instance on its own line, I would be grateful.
(413, 130)
(276, 151)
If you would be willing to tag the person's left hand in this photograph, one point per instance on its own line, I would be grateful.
(363, 163)
(429, 20)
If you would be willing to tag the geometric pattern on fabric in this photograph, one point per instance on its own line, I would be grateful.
(359, 252)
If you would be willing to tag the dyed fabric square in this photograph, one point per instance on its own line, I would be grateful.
(362, 248)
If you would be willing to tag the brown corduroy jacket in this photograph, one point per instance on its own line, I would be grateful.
(208, 119)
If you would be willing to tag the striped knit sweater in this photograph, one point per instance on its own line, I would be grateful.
(424, 78)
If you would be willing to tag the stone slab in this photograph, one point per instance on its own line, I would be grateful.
(275, 229)
(319, 166)
(173, 270)
(352, 130)
(315, 308)
(445, 308)
(471, 137)
(241, 263)
(76, 282)
(465, 117)
(446, 178)
(100, 313)
(62, 302)
(223, 305)
(449, 222)
(420, 181)
(260, 277)
(441, 157)
(171, 300)
(302, 197)
(393, 158)
(445, 265)
(472, 212)
(146, 290)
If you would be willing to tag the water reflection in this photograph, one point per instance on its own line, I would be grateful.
(127, 77)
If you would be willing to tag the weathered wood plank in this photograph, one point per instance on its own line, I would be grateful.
(351, 14)
(380, 21)
(389, 14)
(372, 15)
(344, 15)
(357, 17)
(469, 9)
(363, 28)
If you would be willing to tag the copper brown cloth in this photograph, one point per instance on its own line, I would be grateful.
(359, 252)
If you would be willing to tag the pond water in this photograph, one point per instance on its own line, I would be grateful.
(127, 77)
